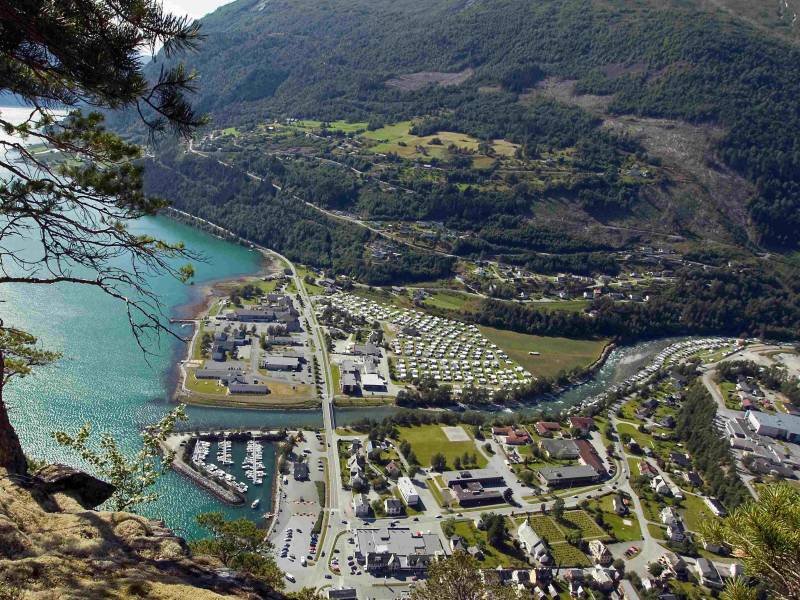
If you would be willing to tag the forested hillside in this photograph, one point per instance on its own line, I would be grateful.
(342, 59)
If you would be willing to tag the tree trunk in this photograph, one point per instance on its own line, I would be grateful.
(11, 456)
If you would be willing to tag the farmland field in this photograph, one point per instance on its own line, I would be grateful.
(556, 353)
(546, 528)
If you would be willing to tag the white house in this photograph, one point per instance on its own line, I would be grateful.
(408, 491)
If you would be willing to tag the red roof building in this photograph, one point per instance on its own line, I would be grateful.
(546, 427)
(589, 456)
(585, 424)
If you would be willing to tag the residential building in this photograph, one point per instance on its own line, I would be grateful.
(707, 574)
(547, 428)
(393, 507)
(532, 543)
(659, 486)
(715, 506)
(584, 424)
(603, 578)
(361, 505)
(408, 491)
(600, 553)
(561, 449)
(511, 436)
(393, 470)
(396, 550)
(673, 564)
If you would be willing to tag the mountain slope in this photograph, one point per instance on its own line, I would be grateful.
(689, 62)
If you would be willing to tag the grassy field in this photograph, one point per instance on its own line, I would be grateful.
(566, 555)
(556, 353)
(450, 300)
(342, 126)
(493, 557)
(728, 391)
(620, 531)
(397, 139)
(427, 440)
(561, 305)
(204, 386)
(581, 520)
(695, 512)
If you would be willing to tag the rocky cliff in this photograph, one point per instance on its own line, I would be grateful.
(54, 545)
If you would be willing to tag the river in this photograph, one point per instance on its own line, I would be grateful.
(104, 379)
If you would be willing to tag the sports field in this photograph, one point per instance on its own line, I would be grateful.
(427, 440)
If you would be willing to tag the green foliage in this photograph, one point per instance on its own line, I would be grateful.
(439, 462)
(765, 535)
(496, 529)
(449, 527)
(711, 454)
(459, 577)
(672, 61)
(240, 545)
(132, 477)
(558, 509)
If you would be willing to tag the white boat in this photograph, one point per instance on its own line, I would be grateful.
(255, 503)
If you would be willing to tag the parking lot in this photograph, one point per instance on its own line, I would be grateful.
(291, 536)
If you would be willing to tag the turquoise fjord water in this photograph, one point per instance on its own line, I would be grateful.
(103, 377)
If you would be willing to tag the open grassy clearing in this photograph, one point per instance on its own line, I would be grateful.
(451, 300)
(567, 555)
(493, 557)
(556, 353)
(427, 440)
(695, 512)
(661, 447)
(619, 529)
(340, 126)
(565, 305)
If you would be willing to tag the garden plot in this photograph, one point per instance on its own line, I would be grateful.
(445, 350)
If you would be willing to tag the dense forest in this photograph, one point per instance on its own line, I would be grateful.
(258, 212)
(710, 453)
(332, 60)
(761, 302)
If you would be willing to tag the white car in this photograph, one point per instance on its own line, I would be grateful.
(290, 577)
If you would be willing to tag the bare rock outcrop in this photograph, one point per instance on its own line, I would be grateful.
(53, 545)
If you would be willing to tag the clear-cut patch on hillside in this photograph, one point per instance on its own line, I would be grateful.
(416, 81)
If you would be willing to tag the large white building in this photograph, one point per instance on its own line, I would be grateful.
(408, 491)
(781, 426)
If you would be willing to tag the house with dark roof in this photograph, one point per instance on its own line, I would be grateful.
(557, 477)
(301, 471)
(562, 449)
